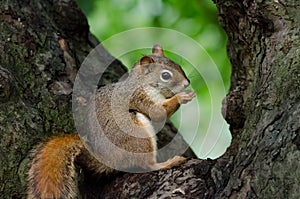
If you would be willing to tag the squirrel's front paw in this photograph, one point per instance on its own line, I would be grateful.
(185, 96)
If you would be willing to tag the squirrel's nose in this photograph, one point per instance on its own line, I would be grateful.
(186, 83)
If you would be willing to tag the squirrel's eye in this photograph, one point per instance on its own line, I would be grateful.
(166, 75)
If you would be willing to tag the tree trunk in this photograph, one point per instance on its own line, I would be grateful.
(43, 44)
(263, 105)
(36, 75)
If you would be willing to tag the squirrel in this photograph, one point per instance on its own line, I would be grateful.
(126, 114)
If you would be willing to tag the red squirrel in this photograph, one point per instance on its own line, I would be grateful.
(157, 86)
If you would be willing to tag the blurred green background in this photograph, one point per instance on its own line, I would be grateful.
(198, 20)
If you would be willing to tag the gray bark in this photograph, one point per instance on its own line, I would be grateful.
(263, 105)
(36, 77)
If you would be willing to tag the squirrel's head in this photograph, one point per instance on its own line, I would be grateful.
(161, 73)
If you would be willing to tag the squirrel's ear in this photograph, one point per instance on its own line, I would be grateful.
(158, 50)
(144, 65)
(146, 60)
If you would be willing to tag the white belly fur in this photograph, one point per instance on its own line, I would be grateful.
(149, 128)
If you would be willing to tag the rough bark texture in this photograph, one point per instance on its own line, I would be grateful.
(264, 51)
(41, 47)
(43, 43)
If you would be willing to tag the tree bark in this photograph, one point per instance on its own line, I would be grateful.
(43, 44)
(264, 51)
(36, 75)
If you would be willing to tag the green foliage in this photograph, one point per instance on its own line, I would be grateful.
(198, 20)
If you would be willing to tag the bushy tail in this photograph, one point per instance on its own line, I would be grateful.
(52, 172)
